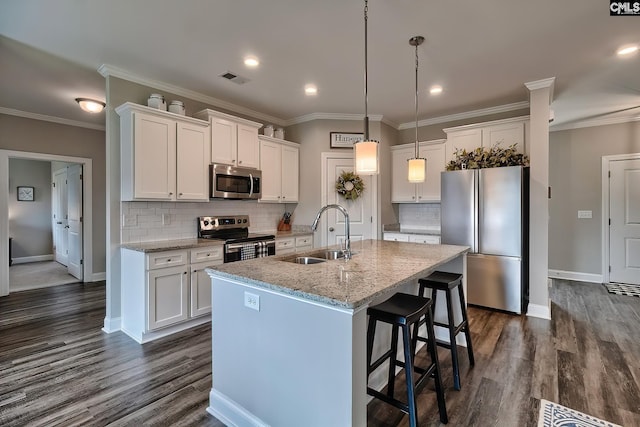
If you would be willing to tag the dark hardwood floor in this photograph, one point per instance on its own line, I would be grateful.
(58, 368)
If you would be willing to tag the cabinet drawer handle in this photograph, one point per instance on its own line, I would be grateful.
(168, 259)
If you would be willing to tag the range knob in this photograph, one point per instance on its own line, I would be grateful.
(205, 222)
(244, 221)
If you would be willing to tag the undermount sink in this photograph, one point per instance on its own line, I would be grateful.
(307, 260)
(328, 254)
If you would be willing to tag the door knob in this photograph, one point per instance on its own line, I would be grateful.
(331, 228)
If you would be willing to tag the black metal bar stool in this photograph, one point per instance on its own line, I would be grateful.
(441, 281)
(402, 311)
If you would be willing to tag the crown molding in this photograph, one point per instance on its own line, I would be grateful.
(109, 70)
(334, 116)
(52, 119)
(594, 122)
(467, 115)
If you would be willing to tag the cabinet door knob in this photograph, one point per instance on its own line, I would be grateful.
(185, 272)
(168, 259)
(180, 194)
(239, 162)
(171, 194)
(413, 197)
(331, 228)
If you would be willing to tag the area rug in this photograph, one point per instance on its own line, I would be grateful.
(623, 289)
(555, 415)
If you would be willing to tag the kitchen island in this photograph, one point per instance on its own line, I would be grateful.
(289, 340)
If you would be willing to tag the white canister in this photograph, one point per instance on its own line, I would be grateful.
(279, 133)
(177, 107)
(157, 101)
(268, 130)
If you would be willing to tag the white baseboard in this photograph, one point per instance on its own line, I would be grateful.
(541, 311)
(37, 258)
(112, 324)
(145, 337)
(98, 277)
(577, 276)
(230, 413)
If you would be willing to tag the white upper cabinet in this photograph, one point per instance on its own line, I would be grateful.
(234, 141)
(164, 156)
(279, 162)
(486, 135)
(403, 191)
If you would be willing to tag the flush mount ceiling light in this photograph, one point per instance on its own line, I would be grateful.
(90, 105)
(417, 165)
(251, 61)
(366, 157)
(627, 50)
(310, 90)
(435, 90)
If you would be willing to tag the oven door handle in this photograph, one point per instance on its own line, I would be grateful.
(251, 189)
(232, 246)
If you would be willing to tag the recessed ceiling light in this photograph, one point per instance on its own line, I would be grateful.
(627, 50)
(90, 105)
(251, 61)
(435, 90)
(310, 90)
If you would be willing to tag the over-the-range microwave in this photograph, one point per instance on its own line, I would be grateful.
(233, 182)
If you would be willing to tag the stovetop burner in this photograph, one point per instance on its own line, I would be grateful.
(232, 229)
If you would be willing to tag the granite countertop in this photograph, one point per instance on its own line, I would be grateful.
(194, 243)
(376, 267)
(430, 230)
(171, 245)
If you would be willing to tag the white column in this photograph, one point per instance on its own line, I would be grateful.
(540, 95)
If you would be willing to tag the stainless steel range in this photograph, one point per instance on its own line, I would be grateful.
(239, 244)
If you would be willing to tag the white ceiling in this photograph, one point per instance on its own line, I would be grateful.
(481, 52)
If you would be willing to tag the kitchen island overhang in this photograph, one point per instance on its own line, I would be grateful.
(289, 340)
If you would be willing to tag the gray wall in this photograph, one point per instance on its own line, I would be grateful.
(575, 164)
(313, 137)
(30, 222)
(36, 136)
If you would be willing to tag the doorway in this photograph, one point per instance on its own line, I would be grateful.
(621, 218)
(362, 211)
(83, 215)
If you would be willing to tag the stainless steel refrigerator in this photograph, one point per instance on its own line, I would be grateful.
(488, 210)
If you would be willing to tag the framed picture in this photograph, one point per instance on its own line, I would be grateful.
(26, 194)
(344, 139)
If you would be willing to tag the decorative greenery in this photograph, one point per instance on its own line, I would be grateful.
(493, 158)
(349, 185)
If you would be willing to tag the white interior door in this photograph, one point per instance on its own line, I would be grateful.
(361, 211)
(74, 204)
(624, 214)
(59, 216)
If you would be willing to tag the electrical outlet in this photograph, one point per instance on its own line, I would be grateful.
(585, 214)
(166, 219)
(252, 301)
(129, 220)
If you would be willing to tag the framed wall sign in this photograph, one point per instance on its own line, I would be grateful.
(26, 194)
(344, 139)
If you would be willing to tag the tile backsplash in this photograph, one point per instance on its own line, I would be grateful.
(143, 221)
(418, 216)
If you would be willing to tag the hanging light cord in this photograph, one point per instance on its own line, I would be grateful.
(366, 95)
(416, 100)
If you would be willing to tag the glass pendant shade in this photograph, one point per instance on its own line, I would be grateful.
(366, 157)
(417, 170)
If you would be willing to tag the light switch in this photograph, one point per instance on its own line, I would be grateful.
(585, 214)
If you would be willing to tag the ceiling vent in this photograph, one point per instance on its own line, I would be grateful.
(234, 78)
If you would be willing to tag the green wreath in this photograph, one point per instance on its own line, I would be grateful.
(349, 185)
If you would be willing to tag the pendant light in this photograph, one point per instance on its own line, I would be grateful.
(417, 165)
(366, 156)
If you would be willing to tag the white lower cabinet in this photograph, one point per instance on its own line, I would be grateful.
(396, 237)
(285, 246)
(292, 245)
(166, 292)
(430, 239)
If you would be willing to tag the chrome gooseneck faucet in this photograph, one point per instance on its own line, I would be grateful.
(347, 241)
